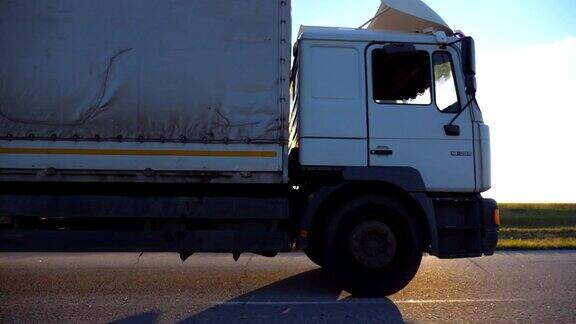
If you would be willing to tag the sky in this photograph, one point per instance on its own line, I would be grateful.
(526, 70)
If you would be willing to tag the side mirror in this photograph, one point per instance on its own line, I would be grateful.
(469, 64)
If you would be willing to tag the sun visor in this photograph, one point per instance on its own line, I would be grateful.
(408, 16)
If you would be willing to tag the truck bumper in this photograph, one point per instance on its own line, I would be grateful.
(466, 226)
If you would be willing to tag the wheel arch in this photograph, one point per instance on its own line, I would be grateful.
(409, 190)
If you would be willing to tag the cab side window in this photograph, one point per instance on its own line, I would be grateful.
(444, 83)
(401, 78)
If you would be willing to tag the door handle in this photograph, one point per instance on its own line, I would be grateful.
(382, 151)
(452, 130)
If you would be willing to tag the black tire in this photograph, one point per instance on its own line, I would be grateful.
(372, 246)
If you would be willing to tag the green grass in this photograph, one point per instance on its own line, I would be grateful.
(537, 226)
(537, 244)
(538, 215)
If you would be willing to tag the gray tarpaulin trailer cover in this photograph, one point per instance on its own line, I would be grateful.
(143, 71)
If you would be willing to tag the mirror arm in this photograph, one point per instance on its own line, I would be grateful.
(462, 110)
(454, 130)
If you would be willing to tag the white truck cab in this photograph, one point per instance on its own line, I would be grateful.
(372, 98)
(390, 111)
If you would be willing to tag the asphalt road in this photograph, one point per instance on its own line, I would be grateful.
(511, 286)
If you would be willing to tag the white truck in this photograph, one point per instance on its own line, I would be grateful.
(148, 125)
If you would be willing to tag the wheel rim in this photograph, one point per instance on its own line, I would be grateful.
(372, 244)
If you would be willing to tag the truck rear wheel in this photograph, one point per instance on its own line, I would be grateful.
(372, 246)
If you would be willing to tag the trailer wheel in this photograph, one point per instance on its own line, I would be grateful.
(372, 246)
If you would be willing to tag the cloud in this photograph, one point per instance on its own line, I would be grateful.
(528, 96)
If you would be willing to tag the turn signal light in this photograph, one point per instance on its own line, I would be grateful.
(496, 216)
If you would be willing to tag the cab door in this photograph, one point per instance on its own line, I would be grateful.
(413, 92)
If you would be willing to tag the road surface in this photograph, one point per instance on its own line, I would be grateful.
(208, 288)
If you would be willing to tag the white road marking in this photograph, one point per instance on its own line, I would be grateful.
(434, 301)
(372, 302)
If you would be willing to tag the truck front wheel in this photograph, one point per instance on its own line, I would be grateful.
(372, 246)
